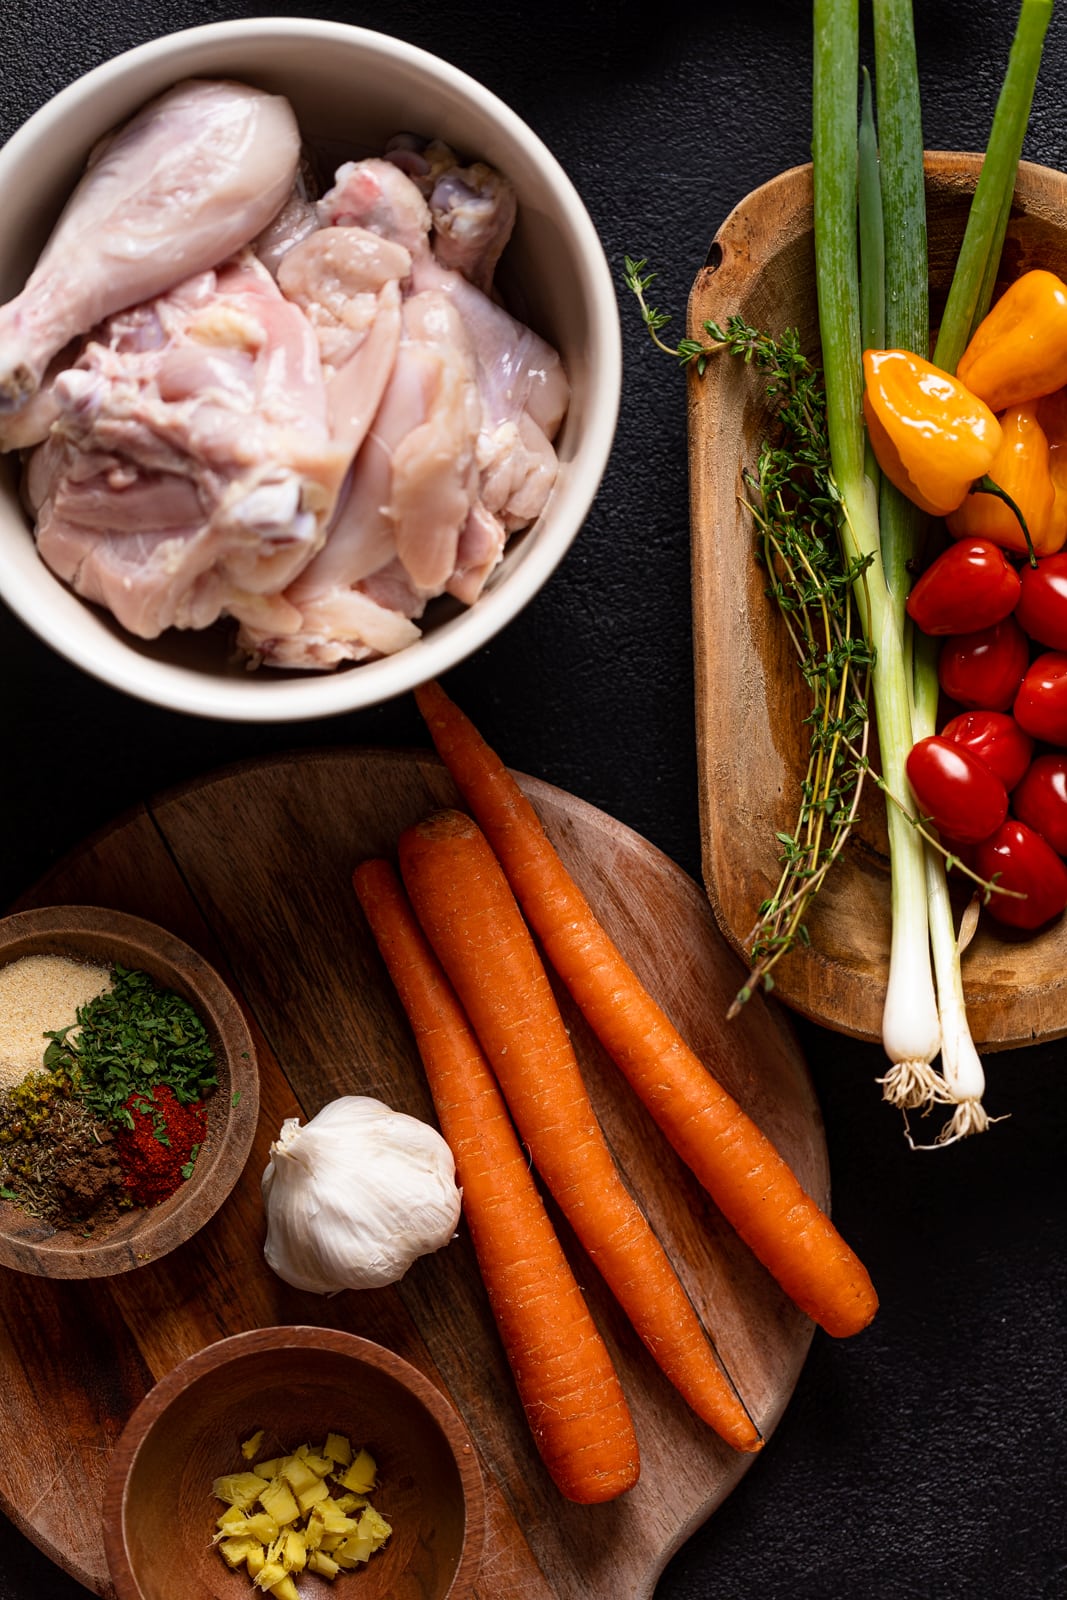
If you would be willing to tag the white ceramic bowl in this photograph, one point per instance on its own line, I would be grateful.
(351, 89)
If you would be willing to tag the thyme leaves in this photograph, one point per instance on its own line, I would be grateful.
(795, 506)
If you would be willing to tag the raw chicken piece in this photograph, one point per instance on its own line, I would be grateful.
(21, 429)
(191, 465)
(472, 208)
(375, 194)
(397, 535)
(326, 630)
(294, 222)
(192, 178)
(347, 282)
(524, 389)
(480, 548)
(524, 392)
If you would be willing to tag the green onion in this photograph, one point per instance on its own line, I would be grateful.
(910, 1026)
(916, 1084)
(962, 1081)
(907, 275)
(872, 230)
(892, 192)
(976, 270)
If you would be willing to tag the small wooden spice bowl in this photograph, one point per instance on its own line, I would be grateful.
(102, 937)
(298, 1384)
(751, 700)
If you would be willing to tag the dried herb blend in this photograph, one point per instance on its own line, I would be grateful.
(116, 1117)
(56, 1161)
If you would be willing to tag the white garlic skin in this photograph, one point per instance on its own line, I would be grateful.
(356, 1195)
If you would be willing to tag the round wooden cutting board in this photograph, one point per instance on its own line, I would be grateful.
(252, 867)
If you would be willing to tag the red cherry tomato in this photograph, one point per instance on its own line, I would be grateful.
(1041, 800)
(983, 670)
(971, 585)
(1021, 860)
(955, 790)
(1042, 608)
(996, 739)
(1041, 703)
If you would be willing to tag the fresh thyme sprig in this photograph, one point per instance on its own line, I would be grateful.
(686, 351)
(794, 504)
(793, 501)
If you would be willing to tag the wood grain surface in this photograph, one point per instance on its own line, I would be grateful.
(751, 700)
(252, 867)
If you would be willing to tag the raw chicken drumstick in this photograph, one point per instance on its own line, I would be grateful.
(193, 177)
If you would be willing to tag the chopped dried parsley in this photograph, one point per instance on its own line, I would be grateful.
(129, 1039)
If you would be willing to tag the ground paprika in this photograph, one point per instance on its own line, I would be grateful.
(158, 1152)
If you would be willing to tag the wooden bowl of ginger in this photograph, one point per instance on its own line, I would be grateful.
(216, 1446)
(69, 1206)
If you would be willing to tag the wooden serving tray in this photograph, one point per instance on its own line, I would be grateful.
(751, 700)
(252, 867)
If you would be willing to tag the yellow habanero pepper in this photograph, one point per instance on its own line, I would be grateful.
(1018, 352)
(932, 437)
(1052, 418)
(1021, 468)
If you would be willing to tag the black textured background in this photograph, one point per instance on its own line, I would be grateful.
(923, 1459)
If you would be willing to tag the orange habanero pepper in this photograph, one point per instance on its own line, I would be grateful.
(1021, 468)
(931, 436)
(1018, 352)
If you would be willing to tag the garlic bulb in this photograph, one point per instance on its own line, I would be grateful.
(356, 1195)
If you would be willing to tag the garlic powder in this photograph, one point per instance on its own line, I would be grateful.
(39, 993)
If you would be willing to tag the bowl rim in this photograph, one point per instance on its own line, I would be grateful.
(211, 1358)
(156, 1234)
(111, 659)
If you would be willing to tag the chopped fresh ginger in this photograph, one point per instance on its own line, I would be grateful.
(262, 1527)
(312, 1495)
(240, 1489)
(235, 1552)
(324, 1565)
(298, 1475)
(285, 1590)
(361, 1474)
(338, 1448)
(278, 1501)
(315, 1514)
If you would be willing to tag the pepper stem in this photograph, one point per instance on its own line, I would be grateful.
(986, 485)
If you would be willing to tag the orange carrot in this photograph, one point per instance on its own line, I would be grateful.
(470, 917)
(567, 1383)
(748, 1179)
